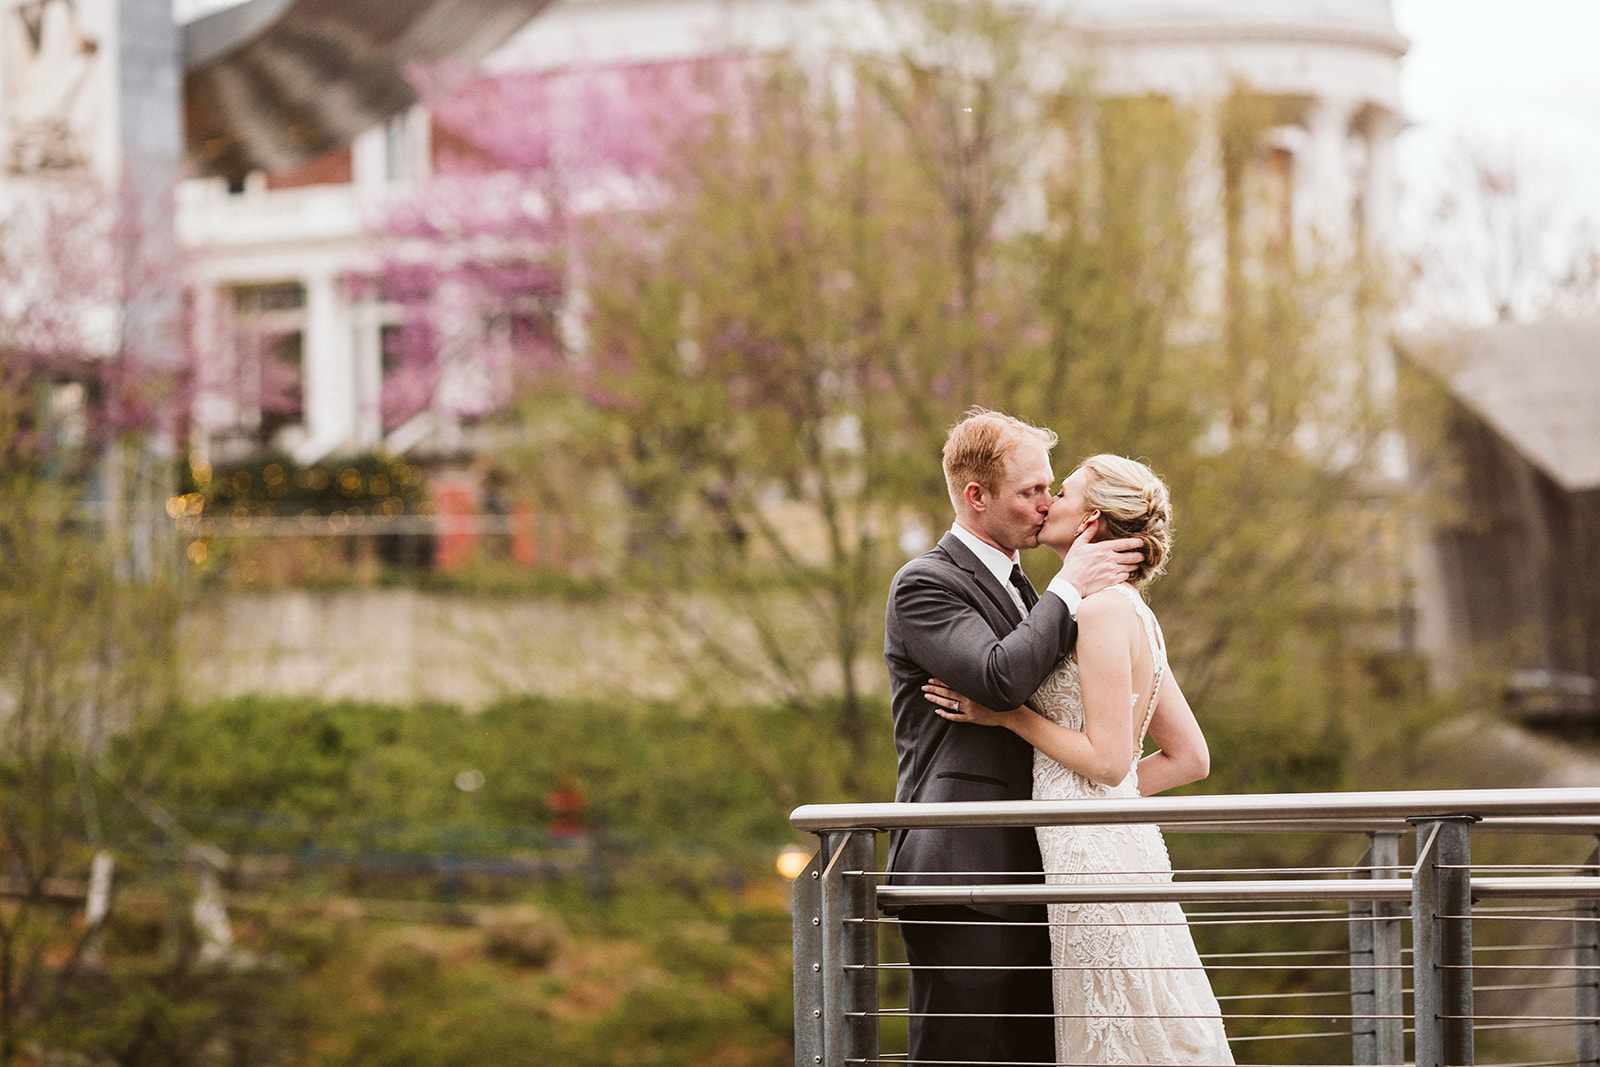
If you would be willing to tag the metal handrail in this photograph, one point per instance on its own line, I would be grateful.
(1255, 891)
(1341, 890)
(1578, 810)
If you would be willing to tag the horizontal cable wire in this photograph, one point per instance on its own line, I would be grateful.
(1263, 918)
(894, 1013)
(901, 1059)
(1517, 1020)
(1297, 995)
(1250, 1038)
(1163, 874)
(1308, 953)
(1585, 968)
(1564, 868)
(1237, 968)
(1063, 967)
(1274, 912)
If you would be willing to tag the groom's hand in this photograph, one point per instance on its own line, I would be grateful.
(1092, 565)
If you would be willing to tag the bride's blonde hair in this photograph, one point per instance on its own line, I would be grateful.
(1132, 502)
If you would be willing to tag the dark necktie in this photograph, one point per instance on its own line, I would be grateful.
(1024, 588)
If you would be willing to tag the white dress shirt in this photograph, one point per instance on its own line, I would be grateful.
(1000, 564)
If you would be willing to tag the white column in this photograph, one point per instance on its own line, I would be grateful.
(1383, 181)
(419, 145)
(1324, 187)
(369, 161)
(367, 347)
(329, 369)
(218, 396)
(1205, 192)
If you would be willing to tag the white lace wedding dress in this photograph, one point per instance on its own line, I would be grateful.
(1129, 987)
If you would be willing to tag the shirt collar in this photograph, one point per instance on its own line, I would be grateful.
(998, 562)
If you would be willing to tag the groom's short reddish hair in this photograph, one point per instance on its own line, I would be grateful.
(976, 448)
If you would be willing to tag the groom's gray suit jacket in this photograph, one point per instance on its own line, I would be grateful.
(949, 618)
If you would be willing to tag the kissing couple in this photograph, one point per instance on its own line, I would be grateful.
(1001, 693)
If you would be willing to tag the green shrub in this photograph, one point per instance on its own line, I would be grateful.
(522, 937)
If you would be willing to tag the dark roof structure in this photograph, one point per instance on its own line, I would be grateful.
(1535, 384)
(272, 84)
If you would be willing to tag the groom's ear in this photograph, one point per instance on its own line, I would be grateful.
(975, 497)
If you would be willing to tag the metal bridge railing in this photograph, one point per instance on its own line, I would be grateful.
(1535, 968)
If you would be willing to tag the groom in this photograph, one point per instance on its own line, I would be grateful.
(965, 613)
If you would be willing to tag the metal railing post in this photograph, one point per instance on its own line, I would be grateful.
(1586, 970)
(849, 947)
(1441, 942)
(808, 1005)
(1376, 989)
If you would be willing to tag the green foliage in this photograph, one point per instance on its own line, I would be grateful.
(178, 1015)
(648, 773)
(88, 652)
(90, 658)
(525, 939)
(273, 484)
(694, 804)
(684, 960)
(426, 1000)
(358, 497)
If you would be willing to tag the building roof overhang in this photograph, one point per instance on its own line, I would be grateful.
(272, 84)
(1537, 385)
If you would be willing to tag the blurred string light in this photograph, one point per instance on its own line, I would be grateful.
(792, 861)
(187, 504)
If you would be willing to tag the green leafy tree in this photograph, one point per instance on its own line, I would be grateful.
(90, 657)
(778, 351)
(1253, 402)
(806, 284)
(776, 348)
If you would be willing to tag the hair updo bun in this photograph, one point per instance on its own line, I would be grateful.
(1132, 502)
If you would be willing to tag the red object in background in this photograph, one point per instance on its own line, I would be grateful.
(455, 504)
(331, 168)
(524, 545)
(566, 809)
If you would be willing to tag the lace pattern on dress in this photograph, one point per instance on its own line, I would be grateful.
(1128, 983)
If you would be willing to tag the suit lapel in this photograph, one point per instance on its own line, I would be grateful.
(962, 557)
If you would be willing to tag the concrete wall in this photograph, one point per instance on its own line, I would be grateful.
(402, 646)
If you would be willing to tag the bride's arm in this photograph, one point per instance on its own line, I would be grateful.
(1103, 750)
(1182, 756)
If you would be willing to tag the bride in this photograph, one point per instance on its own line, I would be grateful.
(1128, 983)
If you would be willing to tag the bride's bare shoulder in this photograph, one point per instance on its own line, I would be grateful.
(1108, 606)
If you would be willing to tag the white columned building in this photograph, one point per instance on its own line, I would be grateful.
(1331, 66)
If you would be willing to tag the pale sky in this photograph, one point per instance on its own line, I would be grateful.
(1519, 73)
